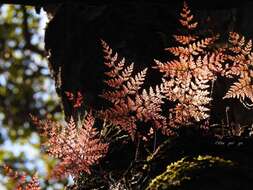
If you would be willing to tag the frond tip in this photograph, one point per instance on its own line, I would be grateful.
(187, 18)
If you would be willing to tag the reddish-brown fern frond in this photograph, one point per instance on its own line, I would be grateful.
(77, 147)
(187, 77)
(20, 180)
(187, 18)
(130, 104)
(240, 64)
(241, 89)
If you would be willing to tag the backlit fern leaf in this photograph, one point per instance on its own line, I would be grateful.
(187, 18)
(20, 180)
(76, 147)
(241, 89)
(187, 77)
(130, 104)
(240, 64)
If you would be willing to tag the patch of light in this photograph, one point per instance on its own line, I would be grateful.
(2, 187)
(2, 80)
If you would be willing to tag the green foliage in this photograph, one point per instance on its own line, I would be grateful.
(24, 76)
(25, 88)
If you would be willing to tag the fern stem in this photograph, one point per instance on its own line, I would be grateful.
(154, 147)
(137, 148)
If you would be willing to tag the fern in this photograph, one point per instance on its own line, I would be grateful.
(186, 19)
(130, 103)
(240, 65)
(241, 89)
(76, 147)
(187, 77)
(20, 180)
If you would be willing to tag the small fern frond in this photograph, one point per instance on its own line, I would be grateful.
(240, 65)
(187, 18)
(241, 89)
(20, 179)
(76, 147)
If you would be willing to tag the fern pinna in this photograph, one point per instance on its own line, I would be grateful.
(187, 77)
(130, 103)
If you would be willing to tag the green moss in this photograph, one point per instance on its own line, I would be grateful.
(187, 170)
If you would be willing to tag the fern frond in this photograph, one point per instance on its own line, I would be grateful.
(130, 103)
(20, 180)
(247, 48)
(76, 147)
(240, 65)
(241, 89)
(193, 98)
(203, 68)
(187, 18)
(187, 81)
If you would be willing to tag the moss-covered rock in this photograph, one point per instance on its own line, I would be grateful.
(203, 173)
